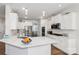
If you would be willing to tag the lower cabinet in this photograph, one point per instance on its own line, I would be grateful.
(68, 46)
(13, 50)
(40, 50)
(37, 50)
(2, 48)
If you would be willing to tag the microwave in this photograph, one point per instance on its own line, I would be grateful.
(55, 26)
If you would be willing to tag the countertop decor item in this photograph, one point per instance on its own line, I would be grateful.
(26, 40)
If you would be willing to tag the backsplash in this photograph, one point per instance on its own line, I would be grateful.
(63, 32)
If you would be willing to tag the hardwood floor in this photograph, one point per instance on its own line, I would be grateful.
(56, 51)
(2, 48)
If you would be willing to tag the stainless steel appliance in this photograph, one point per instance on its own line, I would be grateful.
(43, 31)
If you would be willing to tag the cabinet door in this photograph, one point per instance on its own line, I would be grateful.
(13, 50)
(40, 50)
(2, 48)
(13, 20)
(58, 18)
(43, 22)
(72, 46)
(68, 21)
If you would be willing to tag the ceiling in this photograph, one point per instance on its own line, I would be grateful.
(35, 9)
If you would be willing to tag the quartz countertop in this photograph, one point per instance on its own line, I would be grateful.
(36, 41)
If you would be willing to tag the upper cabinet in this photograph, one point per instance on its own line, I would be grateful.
(13, 20)
(58, 18)
(68, 20)
(43, 22)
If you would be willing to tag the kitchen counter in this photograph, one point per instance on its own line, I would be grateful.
(36, 41)
(66, 44)
(38, 46)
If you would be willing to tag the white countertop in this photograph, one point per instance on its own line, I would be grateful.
(36, 41)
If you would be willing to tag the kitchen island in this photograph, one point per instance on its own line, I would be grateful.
(38, 46)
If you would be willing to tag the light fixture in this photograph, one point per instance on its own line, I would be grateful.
(23, 8)
(26, 11)
(44, 13)
(59, 5)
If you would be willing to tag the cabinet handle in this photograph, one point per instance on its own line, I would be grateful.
(66, 13)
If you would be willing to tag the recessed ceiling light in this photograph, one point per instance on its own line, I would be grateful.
(23, 8)
(59, 5)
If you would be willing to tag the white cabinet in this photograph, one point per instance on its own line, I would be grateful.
(68, 21)
(10, 22)
(13, 20)
(58, 18)
(66, 44)
(72, 46)
(12, 50)
(43, 22)
(40, 50)
(37, 50)
(52, 20)
(35, 26)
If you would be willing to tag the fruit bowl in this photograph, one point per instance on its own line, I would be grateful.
(26, 40)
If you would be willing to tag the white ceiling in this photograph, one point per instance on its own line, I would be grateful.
(35, 9)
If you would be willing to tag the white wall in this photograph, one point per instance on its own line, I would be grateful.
(2, 27)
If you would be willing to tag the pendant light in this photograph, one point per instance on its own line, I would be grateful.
(26, 12)
(44, 13)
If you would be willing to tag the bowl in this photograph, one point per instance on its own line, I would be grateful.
(26, 40)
